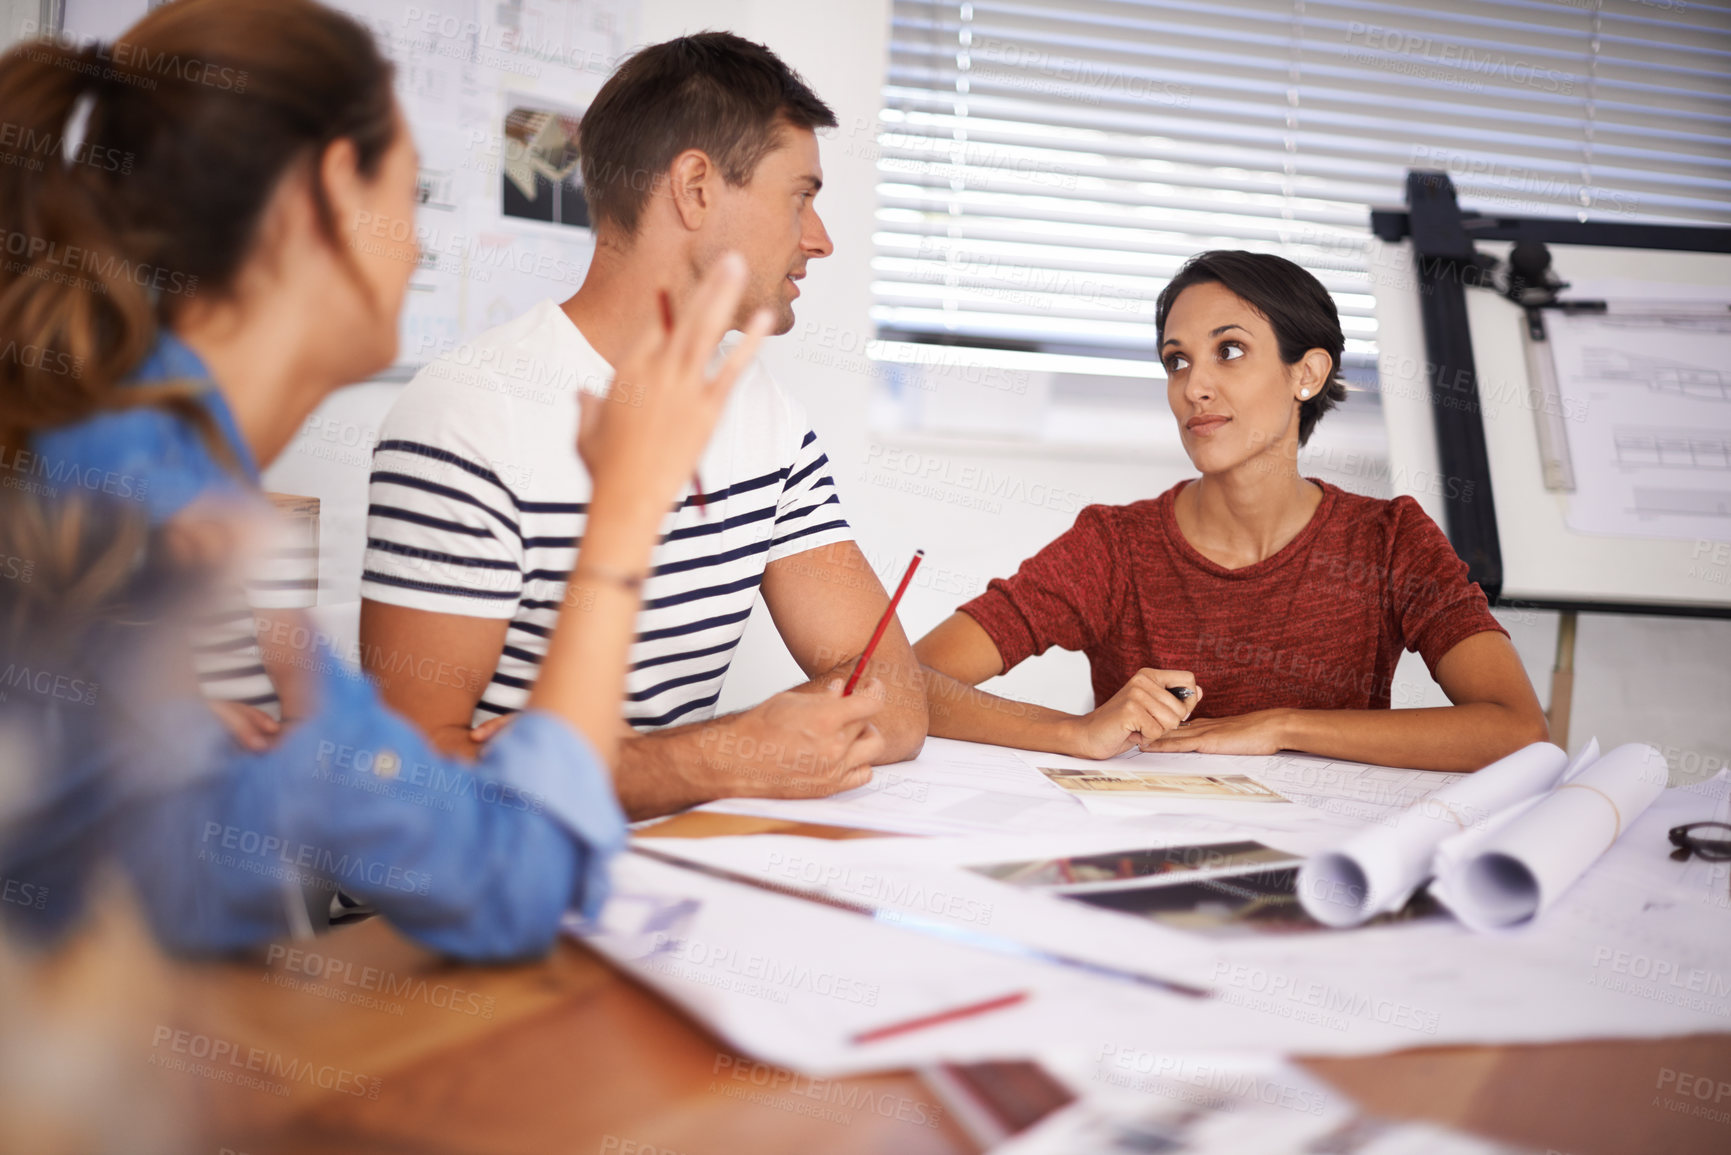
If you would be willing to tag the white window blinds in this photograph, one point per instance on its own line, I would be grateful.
(1045, 167)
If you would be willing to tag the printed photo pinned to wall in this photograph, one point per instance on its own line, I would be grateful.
(541, 179)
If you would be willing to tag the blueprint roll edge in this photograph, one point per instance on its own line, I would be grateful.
(1516, 873)
(1377, 869)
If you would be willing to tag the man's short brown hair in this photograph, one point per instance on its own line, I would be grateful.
(714, 91)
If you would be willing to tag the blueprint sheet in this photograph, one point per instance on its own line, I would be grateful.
(1646, 388)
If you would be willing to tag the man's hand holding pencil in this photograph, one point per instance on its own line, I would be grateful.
(802, 743)
(807, 742)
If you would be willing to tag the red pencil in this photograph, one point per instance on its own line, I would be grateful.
(938, 1018)
(883, 624)
(667, 326)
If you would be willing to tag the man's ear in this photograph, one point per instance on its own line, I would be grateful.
(691, 184)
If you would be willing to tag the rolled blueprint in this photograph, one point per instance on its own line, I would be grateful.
(1378, 869)
(1511, 876)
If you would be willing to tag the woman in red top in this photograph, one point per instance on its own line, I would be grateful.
(1281, 603)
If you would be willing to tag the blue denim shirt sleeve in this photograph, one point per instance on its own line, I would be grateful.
(143, 455)
(479, 861)
(546, 760)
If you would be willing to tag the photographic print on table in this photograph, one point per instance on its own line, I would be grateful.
(1218, 890)
(1122, 865)
(1232, 906)
(1226, 787)
(542, 179)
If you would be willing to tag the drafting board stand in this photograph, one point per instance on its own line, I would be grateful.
(1446, 267)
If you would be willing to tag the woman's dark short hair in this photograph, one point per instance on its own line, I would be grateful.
(713, 91)
(1293, 302)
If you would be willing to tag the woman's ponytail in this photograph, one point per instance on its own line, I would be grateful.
(73, 320)
(135, 175)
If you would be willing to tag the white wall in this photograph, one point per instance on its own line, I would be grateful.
(17, 17)
(1660, 680)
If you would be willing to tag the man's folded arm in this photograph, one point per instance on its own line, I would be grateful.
(431, 667)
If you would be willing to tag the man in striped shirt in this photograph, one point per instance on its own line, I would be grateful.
(478, 498)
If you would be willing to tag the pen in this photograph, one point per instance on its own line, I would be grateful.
(938, 1018)
(667, 327)
(1182, 693)
(883, 624)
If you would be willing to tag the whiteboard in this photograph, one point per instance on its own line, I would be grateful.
(1543, 559)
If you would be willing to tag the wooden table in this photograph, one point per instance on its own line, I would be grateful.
(567, 1055)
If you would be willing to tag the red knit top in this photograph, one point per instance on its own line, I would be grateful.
(1319, 625)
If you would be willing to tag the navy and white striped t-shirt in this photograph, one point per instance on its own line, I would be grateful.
(478, 499)
(283, 575)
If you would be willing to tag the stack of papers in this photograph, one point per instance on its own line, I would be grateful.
(1013, 937)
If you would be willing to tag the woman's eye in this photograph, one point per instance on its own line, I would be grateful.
(1176, 362)
(1231, 351)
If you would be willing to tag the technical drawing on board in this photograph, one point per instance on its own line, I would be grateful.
(1645, 387)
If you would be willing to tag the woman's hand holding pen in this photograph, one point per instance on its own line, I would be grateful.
(1136, 715)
